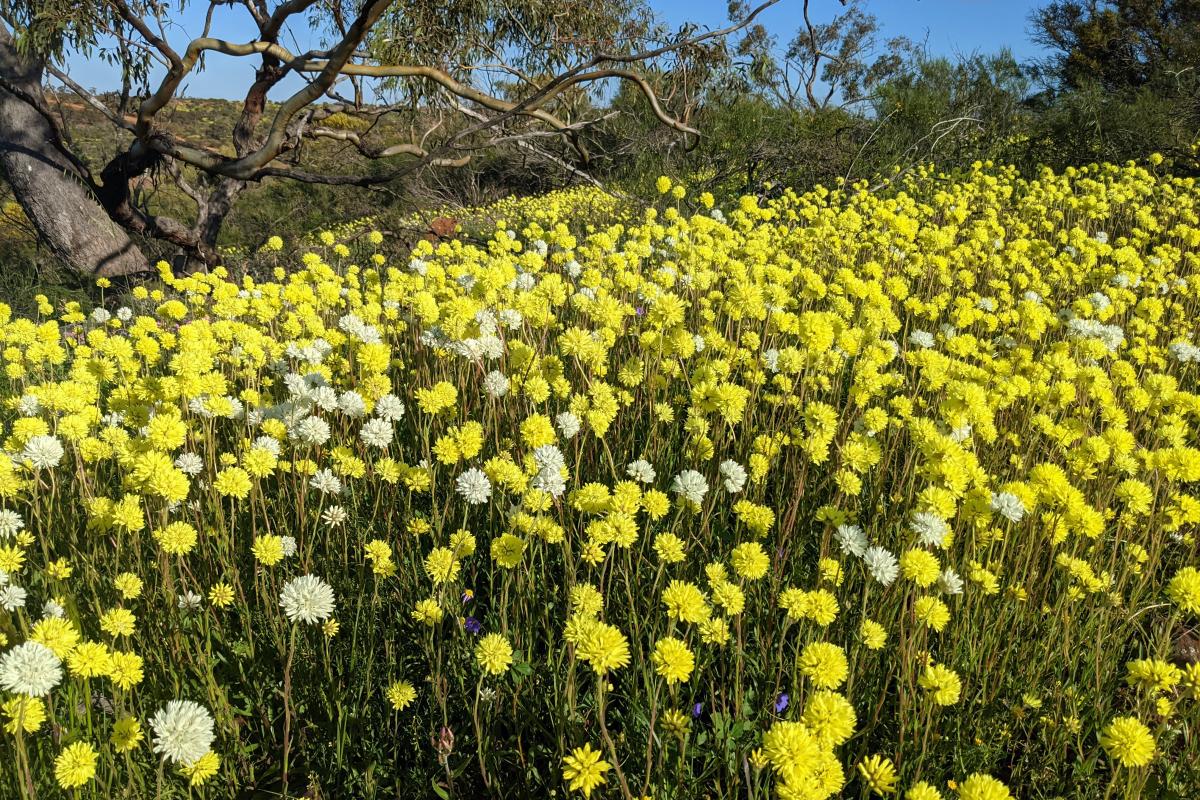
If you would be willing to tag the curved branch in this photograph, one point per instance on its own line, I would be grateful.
(136, 22)
(302, 64)
(334, 66)
(181, 66)
(403, 148)
(115, 196)
(280, 15)
(253, 165)
(523, 142)
(632, 77)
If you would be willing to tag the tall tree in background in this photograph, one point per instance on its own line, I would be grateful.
(462, 75)
(785, 111)
(1120, 44)
(1121, 78)
(838, 62)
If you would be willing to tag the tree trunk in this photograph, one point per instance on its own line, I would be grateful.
(48, 183)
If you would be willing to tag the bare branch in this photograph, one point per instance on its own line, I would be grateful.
(338, 64)
(404, 148)
(528, 145)
(89, 98)
(208, 16)
(258, 12)
(172, 168)
(270, 31)
(335, 65)
(811, 73)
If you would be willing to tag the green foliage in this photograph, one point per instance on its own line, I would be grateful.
(1119, 45)
(1121, 80)
(1089, 125)
(951, 112)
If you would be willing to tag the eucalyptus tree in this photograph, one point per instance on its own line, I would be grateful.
(456, 76)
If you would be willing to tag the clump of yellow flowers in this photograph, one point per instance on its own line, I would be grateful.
(830, 494)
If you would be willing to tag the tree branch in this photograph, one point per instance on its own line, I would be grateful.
(89, 98)
(524, 142)
(404, 148)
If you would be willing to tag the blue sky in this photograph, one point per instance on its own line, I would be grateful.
(948, 27)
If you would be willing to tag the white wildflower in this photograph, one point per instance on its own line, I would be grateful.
(851, 540)
(31, 669)
(495, 383)
(641, 470)
(882, 565)
(42, 452)
(307, 599)
(29, 406)
(568, 424)
(326, 482)
(352, 404)
(183, 732)
(770, 359)
(189, 464)
(549, 457)
(549, 481)
(921, 339)
(389, 407)
(734, 474)
(949, 582)
(511, 318)
(377, 433)
(12, 597)
(1008, 505)
(312, 430)
(690, 485)
(10, 522)
(931, 530)
(474, 486)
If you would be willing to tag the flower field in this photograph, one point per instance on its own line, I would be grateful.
(827, 495)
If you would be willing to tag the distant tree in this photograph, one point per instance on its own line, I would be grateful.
(837, 102)
(777, 113)
(836, 62)
(1119, 44)
(1120, 81)
(463, 76)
